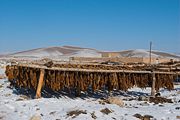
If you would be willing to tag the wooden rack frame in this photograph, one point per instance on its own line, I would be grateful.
(112, 77)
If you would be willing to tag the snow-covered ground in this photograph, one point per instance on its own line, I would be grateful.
(15, 106)
(2, 71)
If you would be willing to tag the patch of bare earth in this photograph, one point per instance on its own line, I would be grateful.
(141, 117)
(157, 100)
(75, 113)
(93, 115)
(1, 85)
(106, 111)
(177, 117)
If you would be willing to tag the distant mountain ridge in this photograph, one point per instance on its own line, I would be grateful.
(73, 51)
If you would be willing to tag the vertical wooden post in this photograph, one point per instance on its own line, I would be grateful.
(40, 83)
(150, 53)
(153, 90)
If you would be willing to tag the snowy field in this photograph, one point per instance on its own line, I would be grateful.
(15, 106)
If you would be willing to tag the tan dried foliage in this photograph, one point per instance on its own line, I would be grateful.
(82, 80)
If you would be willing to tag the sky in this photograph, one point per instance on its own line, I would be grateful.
(110, 25)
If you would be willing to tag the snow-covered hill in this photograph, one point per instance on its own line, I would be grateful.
(145, 53)
(64, 52)
(137, 53)
(57, 52)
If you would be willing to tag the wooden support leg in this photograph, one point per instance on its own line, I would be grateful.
(40, 83)
(153, 90)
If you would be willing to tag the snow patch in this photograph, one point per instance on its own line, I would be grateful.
(85, 53)
(140, 53)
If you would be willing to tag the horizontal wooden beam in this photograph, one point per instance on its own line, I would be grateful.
(100, 70)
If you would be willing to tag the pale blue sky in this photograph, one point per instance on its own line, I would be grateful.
(101, 24)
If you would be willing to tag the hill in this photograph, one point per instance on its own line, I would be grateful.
(64, 52)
